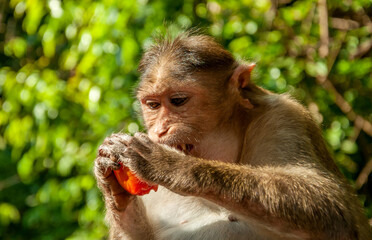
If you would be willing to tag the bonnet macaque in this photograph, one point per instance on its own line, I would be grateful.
(232, 160)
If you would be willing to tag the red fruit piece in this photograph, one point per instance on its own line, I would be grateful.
(131, 183)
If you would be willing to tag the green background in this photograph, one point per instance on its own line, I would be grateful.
(68, 70)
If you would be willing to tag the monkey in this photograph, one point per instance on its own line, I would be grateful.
(232, 160)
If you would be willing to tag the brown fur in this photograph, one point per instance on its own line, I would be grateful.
(258, 157)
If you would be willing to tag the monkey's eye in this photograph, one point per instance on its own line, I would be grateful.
(179, 101)
(152, 104)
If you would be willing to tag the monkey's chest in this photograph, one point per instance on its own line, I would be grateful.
(178, 217)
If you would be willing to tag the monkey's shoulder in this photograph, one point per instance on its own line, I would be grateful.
(289, 135)
(291, 116)
(284, 103)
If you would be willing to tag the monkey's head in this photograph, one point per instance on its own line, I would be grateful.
(190, 86)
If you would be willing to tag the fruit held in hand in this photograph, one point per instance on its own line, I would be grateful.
(131, 183)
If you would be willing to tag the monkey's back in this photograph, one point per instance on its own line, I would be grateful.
(294, 138)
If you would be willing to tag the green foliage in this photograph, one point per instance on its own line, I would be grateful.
(68, 70)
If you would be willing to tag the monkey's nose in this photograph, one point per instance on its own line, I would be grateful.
(161, 131)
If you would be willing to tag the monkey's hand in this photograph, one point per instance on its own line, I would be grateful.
(109, 154)
(151, 162)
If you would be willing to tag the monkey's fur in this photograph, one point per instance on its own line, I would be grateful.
(254, 164)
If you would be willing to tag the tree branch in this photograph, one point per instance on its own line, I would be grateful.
(8, 182)
(362, 49)
(323, 28)
(363, 175)
(345, 107)
(323, 80)
(344, 24)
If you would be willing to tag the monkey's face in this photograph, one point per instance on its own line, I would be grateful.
(178, 114)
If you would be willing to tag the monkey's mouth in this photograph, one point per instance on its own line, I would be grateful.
(185, 148)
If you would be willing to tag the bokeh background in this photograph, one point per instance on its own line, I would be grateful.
(68, 70)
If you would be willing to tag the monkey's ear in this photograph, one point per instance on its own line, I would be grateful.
(240, 79)
(242, 75)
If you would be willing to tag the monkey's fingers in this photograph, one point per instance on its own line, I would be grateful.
(104, 151)
(111, 151)
(136, 163)
(113, 146)
(142, 144)
(144, 137)
(103, 166)
(121, 198)
(120, 138)
(114, 139)
(108, 141)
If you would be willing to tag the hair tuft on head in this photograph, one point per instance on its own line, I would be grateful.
(188, 52)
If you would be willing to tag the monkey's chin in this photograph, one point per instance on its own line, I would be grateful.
(185, 148)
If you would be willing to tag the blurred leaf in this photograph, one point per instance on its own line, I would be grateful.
(8, 214)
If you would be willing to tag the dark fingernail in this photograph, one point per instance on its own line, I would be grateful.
(116, 166)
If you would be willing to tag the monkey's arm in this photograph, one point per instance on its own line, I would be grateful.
(131, 223)
(290, 198)
(124, 213)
